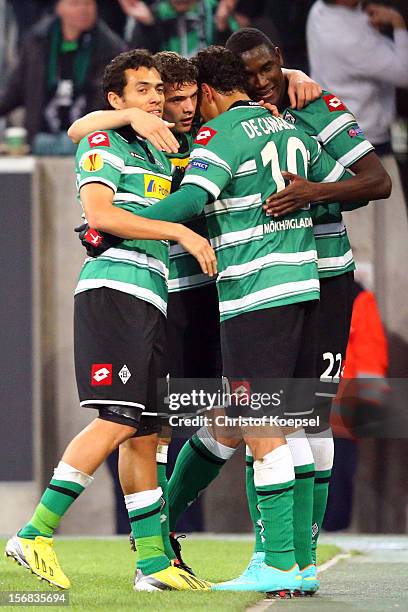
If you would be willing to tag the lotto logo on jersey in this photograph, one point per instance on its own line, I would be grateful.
(99, 139)
(334, 103)
(156, 187)
(101, 374)
(205, 135)
(93, 162)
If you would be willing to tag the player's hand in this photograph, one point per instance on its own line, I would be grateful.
(270, 107)
(381, 15)
(155, 130)
(94, 241)
(302, 89)
(224, 11)
(199, 248)
(138, 10)
(299, 193)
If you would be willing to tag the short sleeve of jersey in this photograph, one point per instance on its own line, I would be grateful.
(99, 160)
(213, 161)
(336, 129)
(322, 167)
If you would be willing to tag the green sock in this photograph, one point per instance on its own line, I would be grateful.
(163, 483)
(253, 503)
(146, 530)
(320, 494)
(56, 499)
(196, 467)
(302, 513)
(275, 503)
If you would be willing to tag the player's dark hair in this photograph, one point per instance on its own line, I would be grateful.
(247, 39)
(114, 78)
(221, 69)
(174, 69)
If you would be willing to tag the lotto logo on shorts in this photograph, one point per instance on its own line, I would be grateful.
(205, 135)
(99, 139)
(101, 374)
(93, 162)
(334, 103)
(240, 391)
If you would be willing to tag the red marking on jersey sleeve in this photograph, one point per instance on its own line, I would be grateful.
(205, 135)
(334, 103)
(99, 139)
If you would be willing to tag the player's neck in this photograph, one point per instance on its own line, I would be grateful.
(225, 102)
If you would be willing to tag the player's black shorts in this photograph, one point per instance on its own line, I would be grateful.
(193, 333)
(119, 343)
(274, 344)
(336, 306)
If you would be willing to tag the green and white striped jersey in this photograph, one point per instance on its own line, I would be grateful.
(185, 272)
(336, 128)
(238, 158)
(139, 176)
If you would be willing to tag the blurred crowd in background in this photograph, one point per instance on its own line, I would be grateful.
(52, 54)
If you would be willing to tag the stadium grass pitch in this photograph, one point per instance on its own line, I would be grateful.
(101, 573)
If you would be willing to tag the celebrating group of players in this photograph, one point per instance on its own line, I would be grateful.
(280, 307)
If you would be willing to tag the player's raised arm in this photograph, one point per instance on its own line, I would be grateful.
(145, 124)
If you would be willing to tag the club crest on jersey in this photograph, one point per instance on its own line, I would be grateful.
(99, 139)
(289, 117)
(156, 187)
(101, 374)
(92, 162)
(334, 103)
(205, 135)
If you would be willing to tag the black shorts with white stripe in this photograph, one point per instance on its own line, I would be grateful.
(119, 343)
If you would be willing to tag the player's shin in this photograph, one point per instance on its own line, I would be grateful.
(302, 496)
(274, 480)
(323, 453)
(161, 457)
(253, 500)
(144, 511)
(198, 464)
(66, 485)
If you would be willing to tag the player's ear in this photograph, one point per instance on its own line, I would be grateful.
(115, 100)
(206, 92)
(279, 55)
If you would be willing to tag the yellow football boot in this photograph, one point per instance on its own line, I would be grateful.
(39, 557)
(170, 579)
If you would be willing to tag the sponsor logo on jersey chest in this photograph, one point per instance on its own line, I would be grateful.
(156, 187)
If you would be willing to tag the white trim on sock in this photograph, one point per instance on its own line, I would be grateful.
(161, 453)
(66, 472)
(274, 468)
(322, 446)
(216, 448)
(300, 448)
(136, 501)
